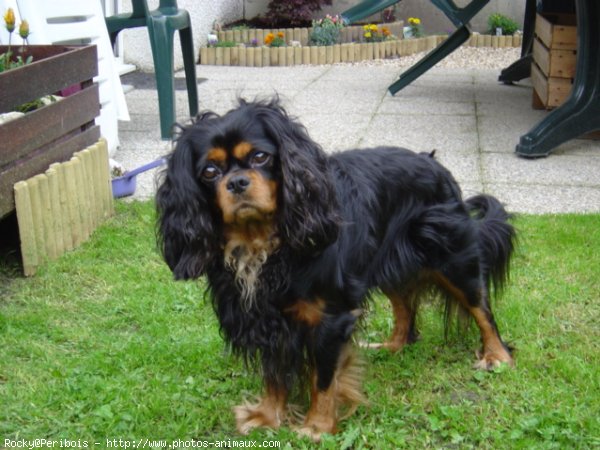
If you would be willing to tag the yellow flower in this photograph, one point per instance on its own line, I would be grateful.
(24, 29)
(373, 27)
(9, 20)
(414, 20)
(368, 34)
(366, 27)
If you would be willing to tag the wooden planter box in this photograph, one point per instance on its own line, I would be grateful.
(29, 144)
(554, 59)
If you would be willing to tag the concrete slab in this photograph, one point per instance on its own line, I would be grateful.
(423, 132)
(473, 121)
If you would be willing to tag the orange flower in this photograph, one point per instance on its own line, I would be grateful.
(385, 31)
(280, 34)
(269, 38)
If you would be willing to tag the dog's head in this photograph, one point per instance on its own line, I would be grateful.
(251, 174)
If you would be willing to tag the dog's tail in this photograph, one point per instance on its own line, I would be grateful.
(497, 238)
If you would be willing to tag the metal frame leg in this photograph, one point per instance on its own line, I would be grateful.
(432, 58)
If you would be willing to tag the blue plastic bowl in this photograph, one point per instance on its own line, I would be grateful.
(125, 185)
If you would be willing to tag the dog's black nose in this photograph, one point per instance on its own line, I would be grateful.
(238, 184)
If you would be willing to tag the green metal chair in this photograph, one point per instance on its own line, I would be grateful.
(457, 15)
(460, 17)
(162, 24)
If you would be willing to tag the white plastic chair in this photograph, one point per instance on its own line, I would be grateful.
(74, 22)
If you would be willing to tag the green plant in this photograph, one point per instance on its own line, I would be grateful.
(217, 43)
(326, 31)
(507, 25)
(226, 44)
(36, 104)
(7, 63)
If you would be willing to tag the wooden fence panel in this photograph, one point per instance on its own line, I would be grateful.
(61, 208)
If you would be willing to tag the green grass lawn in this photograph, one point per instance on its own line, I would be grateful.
(102, 344)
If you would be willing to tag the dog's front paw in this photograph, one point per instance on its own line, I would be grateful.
(489, 360)
(315, 430)
(250, 416)
(315, 425)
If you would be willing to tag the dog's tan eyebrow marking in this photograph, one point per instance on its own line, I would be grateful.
(241, 150)
(217, 154)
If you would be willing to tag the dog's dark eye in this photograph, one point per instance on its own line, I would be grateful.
(260, 158)
(210, 173)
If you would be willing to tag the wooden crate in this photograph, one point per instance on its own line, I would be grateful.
(548, 92)
(29, 144)
(554, 63)
(557, 31)
(554, 59)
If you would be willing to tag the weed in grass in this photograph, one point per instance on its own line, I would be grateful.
(104, 344)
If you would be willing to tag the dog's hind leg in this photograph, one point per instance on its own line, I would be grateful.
(404, 331)
(472, 295)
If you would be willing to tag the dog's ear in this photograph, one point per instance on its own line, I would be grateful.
(185, 228)
(309, 220)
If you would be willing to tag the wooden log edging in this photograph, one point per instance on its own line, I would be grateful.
(340, 53)
(58, 210)
(349, 34)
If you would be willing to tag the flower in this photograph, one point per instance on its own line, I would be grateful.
(9, 20)
(372, 33)
(415, 27)
(24, 29)
(6, 59)
(275, 41)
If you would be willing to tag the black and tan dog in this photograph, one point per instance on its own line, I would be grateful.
(293, 241)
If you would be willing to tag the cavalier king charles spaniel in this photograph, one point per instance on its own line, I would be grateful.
(294, 242)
